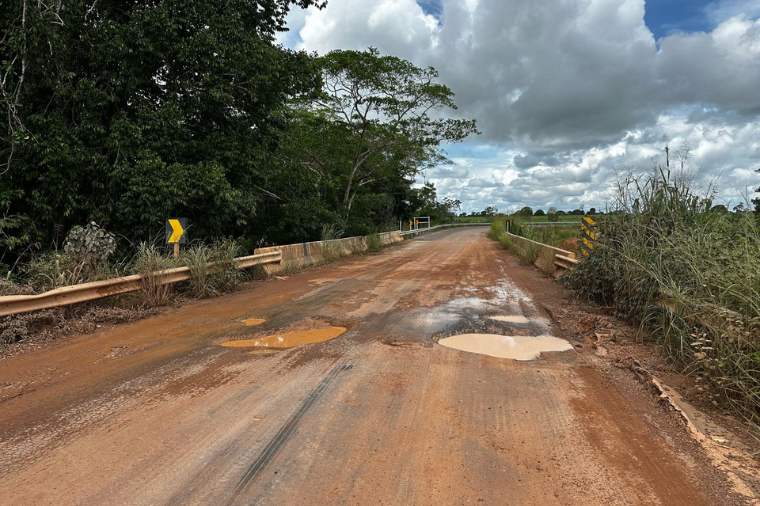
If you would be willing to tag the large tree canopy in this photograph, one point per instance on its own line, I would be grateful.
(350, 156)
(126, 112)
(392, 110)
(129, 112)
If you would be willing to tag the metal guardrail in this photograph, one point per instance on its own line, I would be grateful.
(564, 262)
(67, 295)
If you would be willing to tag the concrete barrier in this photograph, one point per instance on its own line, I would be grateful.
(546, 256)
(297, 256)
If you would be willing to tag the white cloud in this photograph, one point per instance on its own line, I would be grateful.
(565, 89)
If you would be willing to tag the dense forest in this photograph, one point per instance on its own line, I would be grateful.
(127, 112)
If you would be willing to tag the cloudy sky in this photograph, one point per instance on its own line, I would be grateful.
(566, 92)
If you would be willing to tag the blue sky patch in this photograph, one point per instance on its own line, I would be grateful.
(433, 7)
(664, 17)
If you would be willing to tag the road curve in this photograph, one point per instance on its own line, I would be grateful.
(158, 412)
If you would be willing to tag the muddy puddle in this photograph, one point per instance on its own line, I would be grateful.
(289, 340)
(510, 319)
(514, 347)
(252, 322)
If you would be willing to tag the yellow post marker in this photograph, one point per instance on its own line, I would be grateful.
(588, 235)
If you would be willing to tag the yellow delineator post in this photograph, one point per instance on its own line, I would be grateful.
(175, 233)
(588, 235)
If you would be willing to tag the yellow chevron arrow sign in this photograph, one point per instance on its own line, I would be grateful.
(175, 230)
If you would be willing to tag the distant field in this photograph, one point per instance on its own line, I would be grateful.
(484, 219)
(558, 218)
(472, 219)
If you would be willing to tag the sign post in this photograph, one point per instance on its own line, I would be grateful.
(176, 229)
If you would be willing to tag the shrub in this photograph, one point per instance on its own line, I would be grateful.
(213, 269)
(84, 258)
(688, 276)
(89, 248)
(373, 242)
(149, 262)
(330, 251)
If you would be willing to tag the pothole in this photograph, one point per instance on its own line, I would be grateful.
(252, 322)
(290, 339)
(514, 347)
(510, 319)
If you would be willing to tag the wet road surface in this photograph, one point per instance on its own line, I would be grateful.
(159, 412)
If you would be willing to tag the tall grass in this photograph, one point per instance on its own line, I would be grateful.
(552, 235)
(330, 249)
(149, 261)
(688, 276)
(373, 242)
(527, 253)
(213, 269)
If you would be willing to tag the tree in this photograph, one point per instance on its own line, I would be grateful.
(525, 211)
(539, 212)
(451, 206)
(756, 201)
(391, 109)
(127, 112)
(592, 210)
(551, 214)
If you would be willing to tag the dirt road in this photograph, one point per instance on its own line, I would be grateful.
(158, 412)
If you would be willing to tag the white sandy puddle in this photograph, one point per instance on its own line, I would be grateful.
(510, 319)
(514, 347)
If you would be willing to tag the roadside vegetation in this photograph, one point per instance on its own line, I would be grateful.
(689, 274)
(206, 117)
(127, 115)
(553, 235)
(683, 269)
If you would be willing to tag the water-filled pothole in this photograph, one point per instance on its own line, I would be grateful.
(510, 319)
(514, 347)
(252, 322)
(289, 339)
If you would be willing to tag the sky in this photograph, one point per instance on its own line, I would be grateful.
(570, 94)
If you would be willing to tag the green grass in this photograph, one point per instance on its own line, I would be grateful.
(149, 260)
(566, 217)
(373, 242)
(209, 280)
(472, 219)
(690, 278)
(552, 235)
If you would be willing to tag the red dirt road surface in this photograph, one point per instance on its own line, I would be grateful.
(159, 413)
